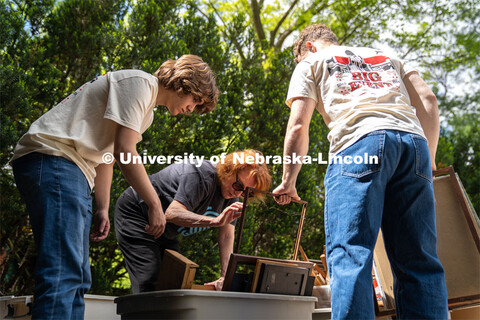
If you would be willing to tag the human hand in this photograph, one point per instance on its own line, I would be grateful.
(101, 224)
(229, 214)
(285, 194)
(156, 222)
(218, 284)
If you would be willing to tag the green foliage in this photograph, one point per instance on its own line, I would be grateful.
(459, 143)
(48, 48)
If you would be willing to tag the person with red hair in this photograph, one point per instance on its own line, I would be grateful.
(195, 197)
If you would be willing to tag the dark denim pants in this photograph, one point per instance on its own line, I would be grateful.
(396, 195)
(59, 204)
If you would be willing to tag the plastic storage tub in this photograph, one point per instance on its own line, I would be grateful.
(199, 304)
(97, 307)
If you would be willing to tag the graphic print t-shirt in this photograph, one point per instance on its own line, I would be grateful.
(81, 128)
(195, 187)
(357, 90)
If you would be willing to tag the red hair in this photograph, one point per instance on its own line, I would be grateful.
(230, 166)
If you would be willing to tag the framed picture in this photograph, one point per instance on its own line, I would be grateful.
(458, 247)
(243, 272)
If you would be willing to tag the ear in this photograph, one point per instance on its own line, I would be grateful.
(311, 46)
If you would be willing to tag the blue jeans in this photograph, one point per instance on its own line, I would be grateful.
(396, 195)
(59, 204)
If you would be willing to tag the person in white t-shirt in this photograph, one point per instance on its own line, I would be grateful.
(72, 148)
(384, 129)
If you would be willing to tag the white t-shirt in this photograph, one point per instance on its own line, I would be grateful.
(81, 128)
(357, 90)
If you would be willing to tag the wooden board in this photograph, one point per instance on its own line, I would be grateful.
(203, 287)
(458, 246)
(176, 272)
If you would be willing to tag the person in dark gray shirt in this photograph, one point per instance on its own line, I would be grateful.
(195, 198)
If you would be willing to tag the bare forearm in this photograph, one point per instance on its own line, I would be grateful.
(297, 137)
(103, 182)
(430, 122)
(225, 244)
(426, 106)
(296, 144)
(178, 213)
(137, 177)
(183, 217)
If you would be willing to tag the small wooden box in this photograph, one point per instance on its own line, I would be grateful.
(176, 272)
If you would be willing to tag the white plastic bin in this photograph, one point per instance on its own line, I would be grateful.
(199, 305)
(96, 307)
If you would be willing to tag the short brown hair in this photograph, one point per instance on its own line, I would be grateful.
(229, 167)
(312, 33)
(189, 74)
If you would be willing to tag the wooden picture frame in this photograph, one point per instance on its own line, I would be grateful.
(261, 272)
(237, 260)
(458, 246)
(239, 231)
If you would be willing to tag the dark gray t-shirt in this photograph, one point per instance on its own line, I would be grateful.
(195, 187)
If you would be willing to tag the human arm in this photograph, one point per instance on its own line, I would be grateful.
(136, 175)
(226, 236)
(425, 103)
(103, 182)
(178, 214)
(296, 141)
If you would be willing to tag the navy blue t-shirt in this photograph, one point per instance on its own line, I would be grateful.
(195, 187)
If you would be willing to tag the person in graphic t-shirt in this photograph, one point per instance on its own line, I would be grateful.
(376, 107)
(196, 197)
(71, 149)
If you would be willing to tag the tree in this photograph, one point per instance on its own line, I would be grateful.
(425, 33)
(21, 91)
(48, 48)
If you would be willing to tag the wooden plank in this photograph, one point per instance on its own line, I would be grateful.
(203, 287)
(457, 245)
(176, 272)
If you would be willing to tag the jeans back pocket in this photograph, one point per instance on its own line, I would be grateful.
(423, 166)
(365, 156)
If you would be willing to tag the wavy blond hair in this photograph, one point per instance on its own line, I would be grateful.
(229, 167)
(189, 74)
